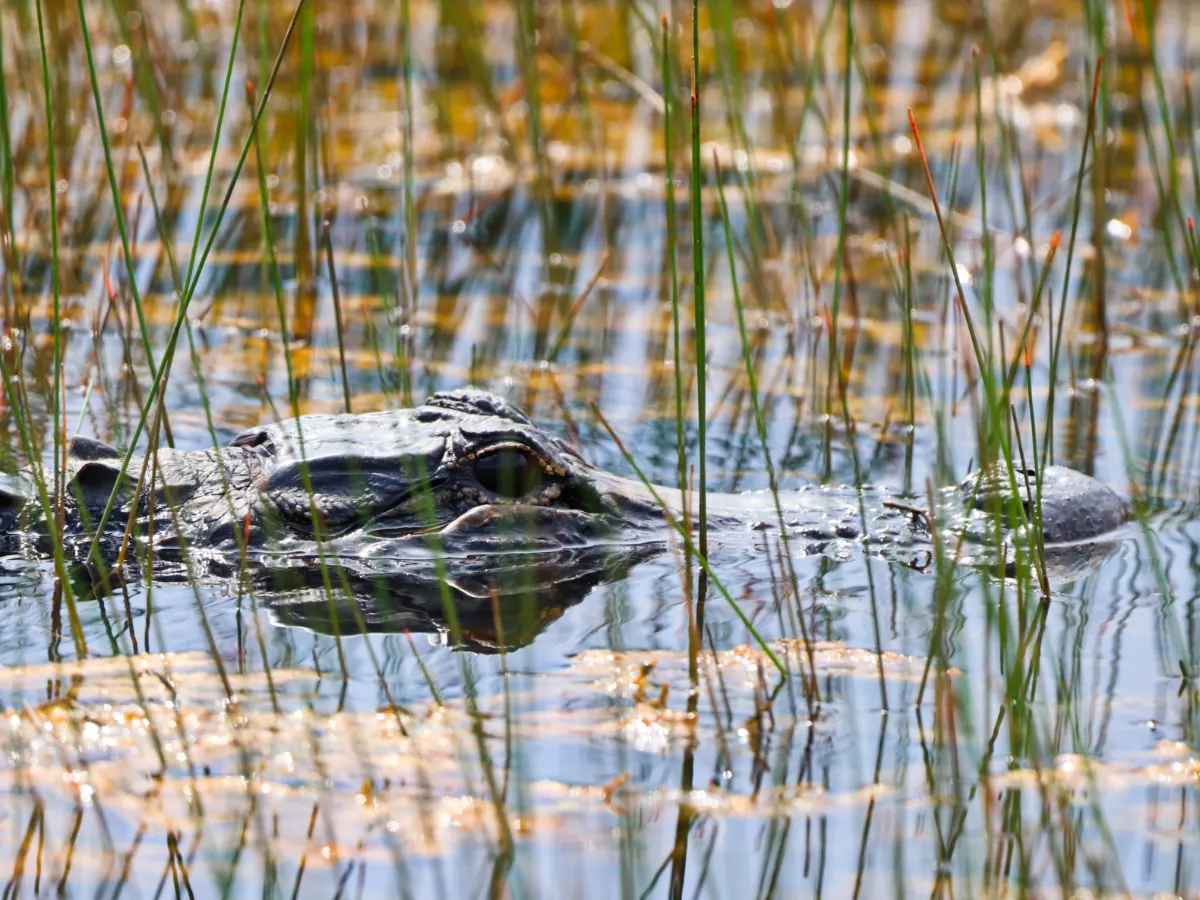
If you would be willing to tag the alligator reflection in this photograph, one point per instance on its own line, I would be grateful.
(488, 602)
(484, 604)
(498, 602)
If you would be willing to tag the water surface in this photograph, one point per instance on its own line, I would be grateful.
(972, 737)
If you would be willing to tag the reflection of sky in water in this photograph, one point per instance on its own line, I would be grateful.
(580, 725)
(498, 273)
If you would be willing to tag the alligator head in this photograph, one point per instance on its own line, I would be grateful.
(463, 473)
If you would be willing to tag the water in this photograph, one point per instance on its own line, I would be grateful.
(971, 737)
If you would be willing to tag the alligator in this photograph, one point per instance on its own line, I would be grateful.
(452, 491)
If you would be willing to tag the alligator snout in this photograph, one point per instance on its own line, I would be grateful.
(1073, 507)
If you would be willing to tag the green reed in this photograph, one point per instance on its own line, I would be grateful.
(118, 206)
(699, 336)
(1170, 194)
(985, 238)
(832, 377)
(993, 425)
(1182, 650)
(991, 431)
(1182, 365)
(1190, 122)
(1180, 379)
(411, 238)
(216, 138)
(52, 517)
(811, 689)
(7, 183)
(336, 298)
(318, 526)
(526, 32)
(579, 87)
(678, 525)
(758, 237)
(824, 29)
(1056, 336)
(194, 274)
(143, 70)
(460, 18)
(198, 374)
(564, 331)
(301, 240)
(908, 351)
(681, 465)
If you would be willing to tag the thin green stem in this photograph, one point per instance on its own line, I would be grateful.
(186, 299)
(52, 521)
(699, 313)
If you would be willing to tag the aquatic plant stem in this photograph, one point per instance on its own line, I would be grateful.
(672, 257)
(833, 375)
(1056, 334)
(681, 464)
(687, 538)
(243, 563)
(268, 238)
(216, 141)
(995, 426)
(407, 130)
(327, 240)
(190, 289)
(812, 689)
(7, 184)
(118, 209)
(54, 522)
(564, 333)
(699, 312)
(985, 237)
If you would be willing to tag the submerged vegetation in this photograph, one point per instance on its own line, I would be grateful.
(719, 245)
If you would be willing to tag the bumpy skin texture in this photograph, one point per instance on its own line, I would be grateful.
(1075, 507)
(476, 473)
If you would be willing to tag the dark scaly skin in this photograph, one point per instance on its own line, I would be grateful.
(383, 483)
(391, 488)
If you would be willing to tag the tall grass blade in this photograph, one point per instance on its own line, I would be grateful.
(185, 300)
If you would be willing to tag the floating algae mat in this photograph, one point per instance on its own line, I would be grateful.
(157, 767)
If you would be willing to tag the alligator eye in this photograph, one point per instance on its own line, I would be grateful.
(508, 473)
